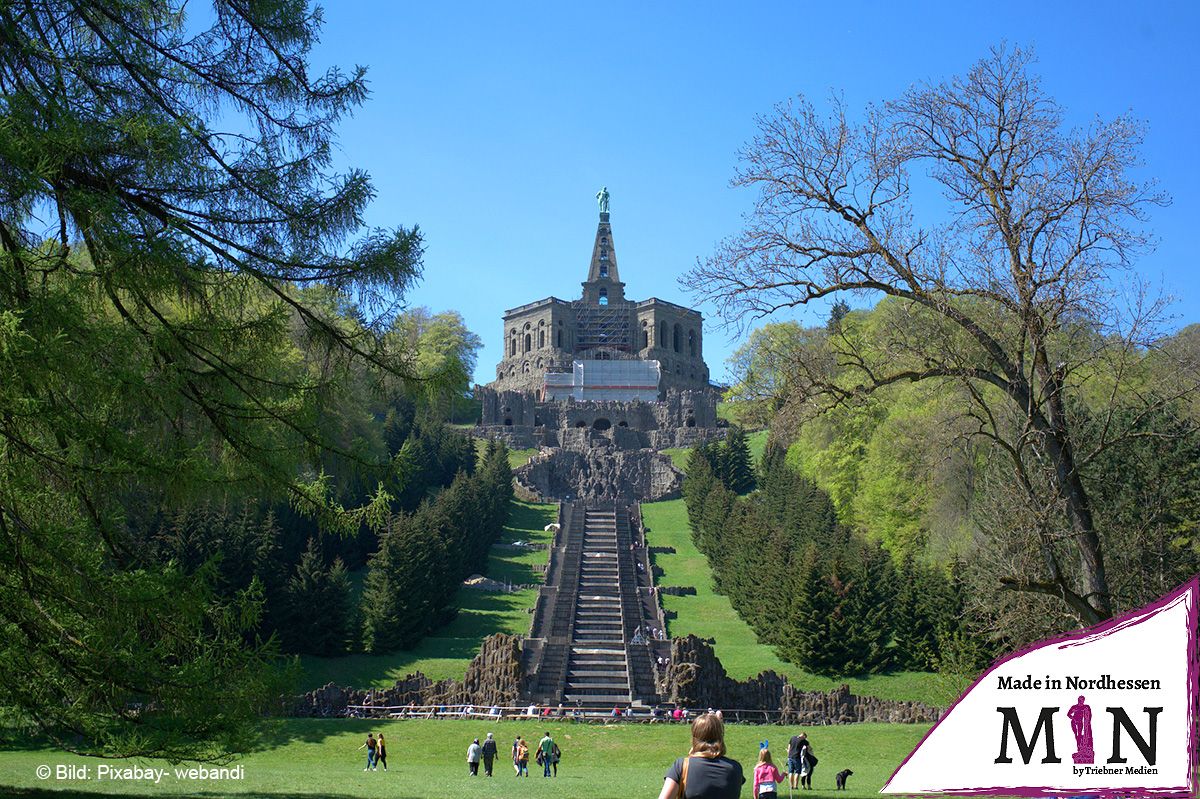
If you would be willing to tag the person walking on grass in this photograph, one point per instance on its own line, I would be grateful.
(766, 776)
(522, 758)
(381, 752)
(555, 756)
(808, 762)
(546, 753)
(370, 745)
(705, 771)
(793, 762)
(488, 751)
(474, 751)
(516, 763)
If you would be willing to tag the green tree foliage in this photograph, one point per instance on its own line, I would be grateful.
(445, 357)
(737, 469)
(829, 601)
(423, 556)
(728, 461)
(1014, 302)
(320, 609)
(185, 293)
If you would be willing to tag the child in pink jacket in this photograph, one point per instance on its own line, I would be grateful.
(766, 776)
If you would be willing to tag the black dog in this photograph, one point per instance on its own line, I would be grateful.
(841, 778)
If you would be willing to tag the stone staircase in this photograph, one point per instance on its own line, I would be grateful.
(580, 651)
(597, 671)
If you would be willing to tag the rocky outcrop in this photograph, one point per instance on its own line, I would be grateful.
(493, 678)
(696, 678)
(600, 473)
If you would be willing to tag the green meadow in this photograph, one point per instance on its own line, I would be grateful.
(427, 758)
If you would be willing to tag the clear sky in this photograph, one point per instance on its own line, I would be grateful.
(493, 125)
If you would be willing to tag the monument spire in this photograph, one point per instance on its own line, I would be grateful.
(602, 270)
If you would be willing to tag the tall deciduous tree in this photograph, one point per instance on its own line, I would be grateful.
(1013, 297)
(168, 213)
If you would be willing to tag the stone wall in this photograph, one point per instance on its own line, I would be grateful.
(493, 677)
(681, 418)
(599, 473)
(696, 678)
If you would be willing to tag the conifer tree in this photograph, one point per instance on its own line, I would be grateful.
(699, 482)
(402, 591)
(808, 617)
(149, 345)
(736, 466)
(318, 605)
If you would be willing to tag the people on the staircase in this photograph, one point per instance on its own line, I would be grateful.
(616, 711)
(474, 753)
(705, 772)
(546, 754)
(488, 752)
(766, 776)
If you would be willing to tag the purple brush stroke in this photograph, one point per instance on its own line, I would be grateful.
(1075, 639)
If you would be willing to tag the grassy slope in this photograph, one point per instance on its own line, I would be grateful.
(447, 653)
(311, 757)
(710, 615)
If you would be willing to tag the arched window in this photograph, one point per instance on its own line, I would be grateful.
(677, 334)
(645, 336)
(662, 335)
(603, 270)
(692, 343)
(528, 342)
(541, 337)
(560, 338)
(604, 296)
(512, 345)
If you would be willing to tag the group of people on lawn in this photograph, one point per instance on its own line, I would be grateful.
(547, 754)
(704, 772)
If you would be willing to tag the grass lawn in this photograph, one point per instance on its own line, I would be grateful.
(710, 615)
(518, 457)
(447, 652)
(317, 757)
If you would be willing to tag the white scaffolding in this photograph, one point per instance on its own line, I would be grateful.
(598, 381)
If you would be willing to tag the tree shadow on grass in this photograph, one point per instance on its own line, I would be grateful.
(282, 732)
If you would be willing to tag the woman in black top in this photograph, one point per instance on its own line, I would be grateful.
(705, 773)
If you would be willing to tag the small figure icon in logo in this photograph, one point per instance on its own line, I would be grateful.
(1080, 715)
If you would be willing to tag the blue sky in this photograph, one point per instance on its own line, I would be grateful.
(493, 125)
